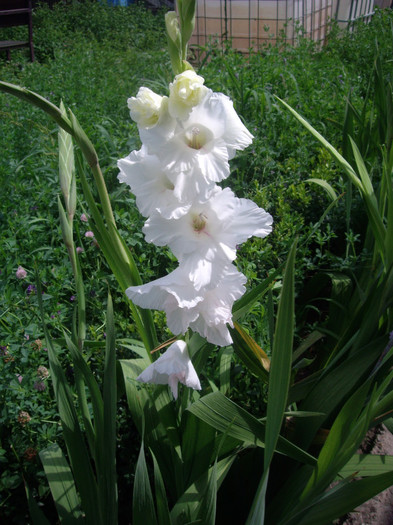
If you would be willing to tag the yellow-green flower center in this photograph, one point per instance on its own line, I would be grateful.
(197, 136)
(199, 222)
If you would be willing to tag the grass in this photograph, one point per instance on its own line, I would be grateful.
(93, 61)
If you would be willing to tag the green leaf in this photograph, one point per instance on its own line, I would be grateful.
(163, 514)
(62, 485)
(207, 507)
(137, 396)
(250, 352)
(370, 200)
(134, 345)
(339, 381)
(38, 101)
(78, 453)
(186, 509)
(84, 143)
(243, 305)
(339, 501)
(341, 444)
(119, 259)
(152, 406)
(95, 394)
(36, 514)
(258, 508)
(108, 486)
(387, 168)
(309, 341)
(226, 416)
(342, 441)
(198, 447)
(281, 361)
(225, 368)
(326, 186)
(143, 504)
(279, 379)
(339, 158)
(383, 409)
(364, 465)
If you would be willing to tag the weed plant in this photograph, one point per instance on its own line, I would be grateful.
(94, 57)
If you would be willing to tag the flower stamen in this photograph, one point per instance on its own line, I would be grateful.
(199, 222)
(196, 137)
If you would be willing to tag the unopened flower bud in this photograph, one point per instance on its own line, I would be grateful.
(186, 91)
(146, 107)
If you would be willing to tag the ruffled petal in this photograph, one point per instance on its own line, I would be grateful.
(172, 367)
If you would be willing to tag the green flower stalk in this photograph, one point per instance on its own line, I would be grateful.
(174, 41)
(179, 29)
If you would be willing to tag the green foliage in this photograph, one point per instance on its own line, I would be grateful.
(59, 27)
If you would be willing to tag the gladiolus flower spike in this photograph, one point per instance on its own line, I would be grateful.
(188, 140)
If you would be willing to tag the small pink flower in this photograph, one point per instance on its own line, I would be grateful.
(19, 378)
(89, 234)
(21, 272)
(79, 249)
(84, 218)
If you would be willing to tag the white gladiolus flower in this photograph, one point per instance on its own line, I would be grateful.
(207, 310)
(215, 311)
(200, 146)
(188, 140)
(153, 190)
(173, 367)
(186, 91)
(146, 108)
(210, 230)
(174, 294)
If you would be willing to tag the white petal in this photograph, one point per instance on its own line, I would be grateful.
(210, 230)
(205, 141)
(172, 367)
(146, 108)
(236, 134)
(153, 190)
(173, 289)
(215, 311)
(186, 91)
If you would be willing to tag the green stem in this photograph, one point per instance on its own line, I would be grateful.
(103, 194)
